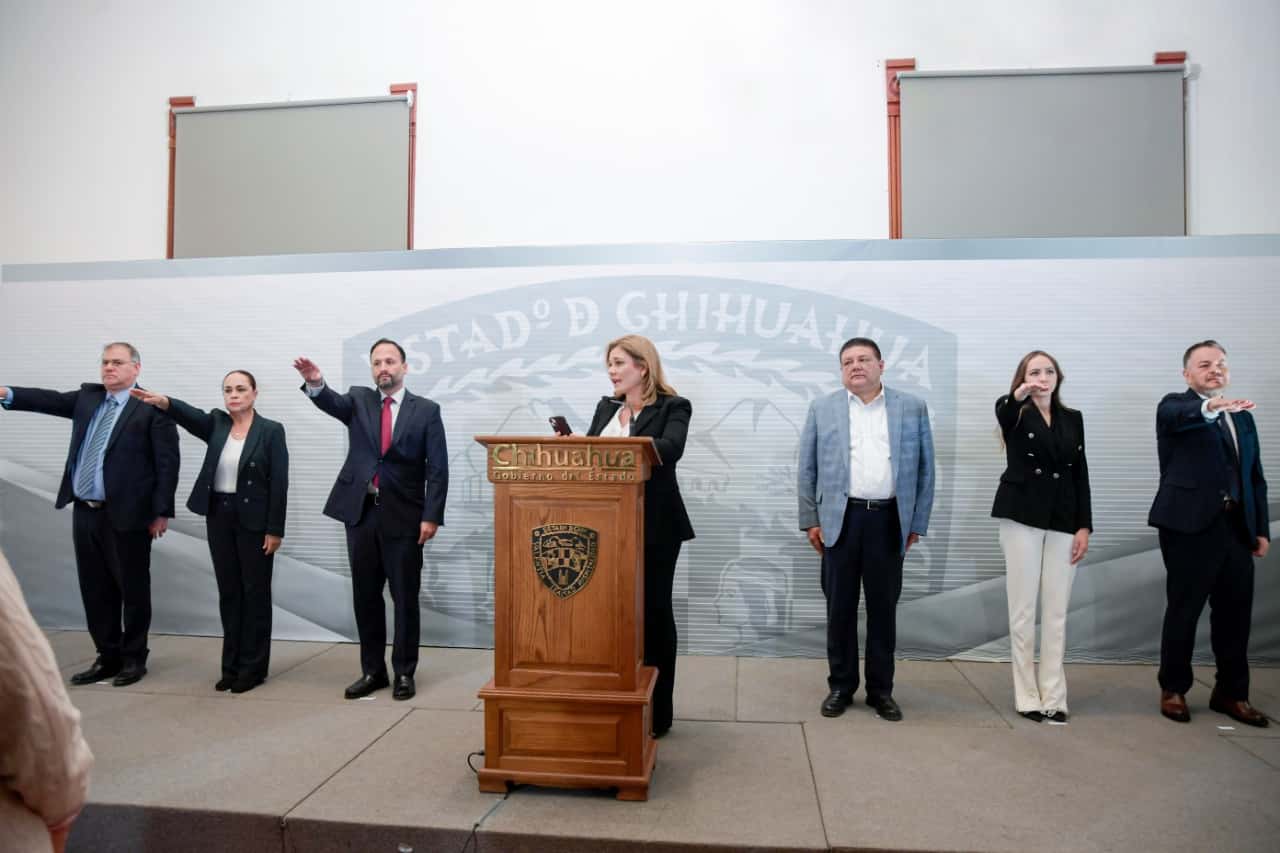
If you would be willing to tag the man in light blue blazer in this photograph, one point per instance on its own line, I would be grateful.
(865, 490)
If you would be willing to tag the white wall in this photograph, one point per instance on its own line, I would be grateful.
(585, 122)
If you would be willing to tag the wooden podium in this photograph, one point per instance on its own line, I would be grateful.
(570, 701)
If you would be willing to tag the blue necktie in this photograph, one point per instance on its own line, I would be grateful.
(88, 472)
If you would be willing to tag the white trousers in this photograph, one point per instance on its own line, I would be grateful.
(1038, 562)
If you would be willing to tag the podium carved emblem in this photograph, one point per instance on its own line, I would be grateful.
(564, 556)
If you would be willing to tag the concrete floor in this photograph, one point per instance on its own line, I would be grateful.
(749, 765)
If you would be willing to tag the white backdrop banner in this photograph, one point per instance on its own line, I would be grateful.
(504, 338)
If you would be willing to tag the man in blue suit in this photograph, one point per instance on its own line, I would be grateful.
(1211, 511)
(865, 489)
(390, 494)
(120, 476)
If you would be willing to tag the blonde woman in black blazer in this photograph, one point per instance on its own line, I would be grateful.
(1045, 520)
(643, 404)
(242, 491)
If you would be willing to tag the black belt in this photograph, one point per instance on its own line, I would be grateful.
(90, 504)
(874, 505)
(373, 499)
(1228, 505)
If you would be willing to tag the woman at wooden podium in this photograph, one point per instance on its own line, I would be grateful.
(643, 404)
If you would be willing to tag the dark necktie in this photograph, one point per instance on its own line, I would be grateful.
(1233, 458)
(386, 431)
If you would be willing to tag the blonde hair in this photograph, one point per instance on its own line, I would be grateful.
(645, 354)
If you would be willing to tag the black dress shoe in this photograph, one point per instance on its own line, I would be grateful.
(660, 733)
(131, 673)
(1033, 716)
(224, 683)
(1056, 717)
(835, 703)
(404, 688)
(100, 671)
(246, 683)
(886, 708)
(366, 684)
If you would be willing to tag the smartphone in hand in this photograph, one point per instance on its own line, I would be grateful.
(559, 425)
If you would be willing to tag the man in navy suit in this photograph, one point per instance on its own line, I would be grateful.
(390, 494)
(121, 473)
(865, 490)
(1211, 511)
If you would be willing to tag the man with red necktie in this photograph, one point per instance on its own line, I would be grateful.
(390, 494)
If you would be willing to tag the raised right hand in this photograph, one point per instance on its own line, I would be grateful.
(160, 401)
(1026, 389)
(1218, 404)
(308, 370)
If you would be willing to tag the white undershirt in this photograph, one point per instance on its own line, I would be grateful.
(614, 428)
(224, 477)
(870, 469)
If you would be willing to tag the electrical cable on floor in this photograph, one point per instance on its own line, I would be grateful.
(466, 845)
(470, 755)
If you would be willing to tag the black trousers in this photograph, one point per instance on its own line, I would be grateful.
(114, 567)
(1215, 565)
(244, 590)
(660, 626)
(377, 560)
(867, 556)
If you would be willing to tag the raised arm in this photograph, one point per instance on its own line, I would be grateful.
(194, 421)
(60, 404)
(1181, 412)
(327, 400)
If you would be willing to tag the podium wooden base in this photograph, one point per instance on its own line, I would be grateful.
(570, 738)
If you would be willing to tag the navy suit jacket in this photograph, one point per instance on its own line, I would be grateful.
(140, 466)
(262, 479)
(666, 421)
(413, 477)
(1195, 468)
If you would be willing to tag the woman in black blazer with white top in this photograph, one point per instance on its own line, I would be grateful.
(643, 404)
(1043, 504)
(242, 492)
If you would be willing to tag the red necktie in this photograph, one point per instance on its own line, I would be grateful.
(386, 431)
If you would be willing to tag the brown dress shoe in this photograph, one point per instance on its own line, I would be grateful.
(1174, 706)
(1239, 710)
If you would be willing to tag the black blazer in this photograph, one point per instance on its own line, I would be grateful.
(262, 484)
(1195, 468)
(140, 467)
(1045, 483)
(666, 421)
(413, 478)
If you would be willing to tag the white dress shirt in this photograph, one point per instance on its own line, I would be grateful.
(870, 469)
(614, 428)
